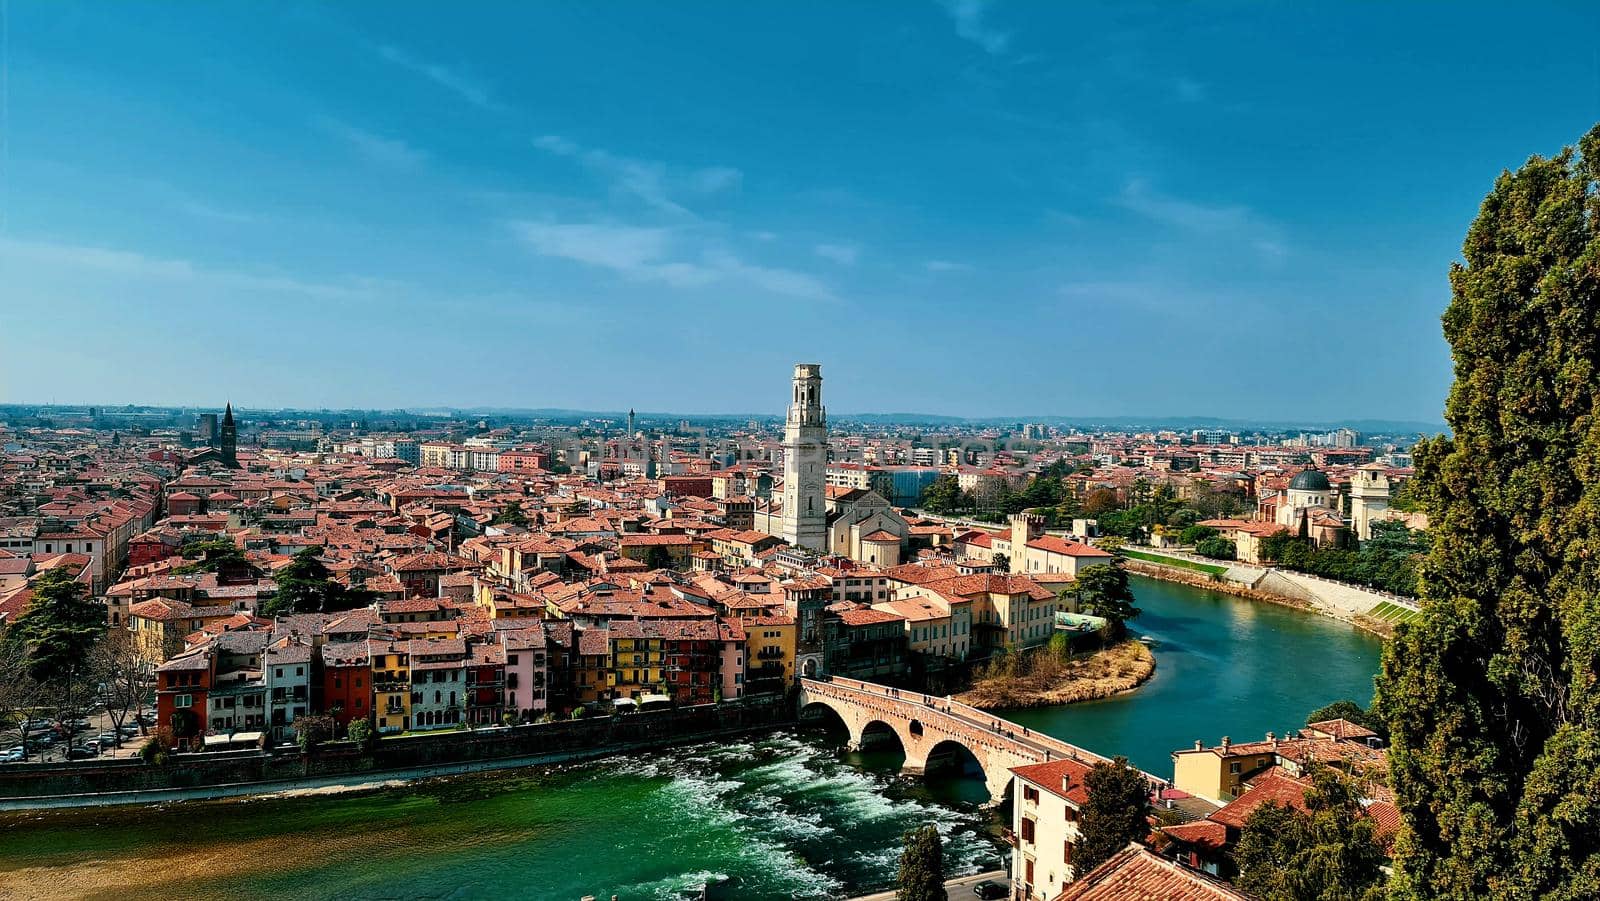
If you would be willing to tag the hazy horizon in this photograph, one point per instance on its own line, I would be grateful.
(973, 208)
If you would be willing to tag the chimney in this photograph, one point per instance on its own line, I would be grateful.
(1272, 739)
(1226, 743)
(1199, 745)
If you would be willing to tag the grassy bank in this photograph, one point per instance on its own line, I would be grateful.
(1209, 568)
(1043, 677)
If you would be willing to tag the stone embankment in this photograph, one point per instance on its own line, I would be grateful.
(1041, 679)
(90, 783)
(1342, 602)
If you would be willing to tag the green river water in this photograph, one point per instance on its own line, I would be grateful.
(790, 815)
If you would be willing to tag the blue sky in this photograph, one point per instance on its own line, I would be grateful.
(971, 208)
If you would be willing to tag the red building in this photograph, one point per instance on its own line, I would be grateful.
(486, 683)
(183, 684)
(520, 459)
(693, 654)
(346, 682)
(687, 486)
(152, 546)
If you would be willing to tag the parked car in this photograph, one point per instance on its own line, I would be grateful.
(81, 753)
(988, 888)
(11, 755)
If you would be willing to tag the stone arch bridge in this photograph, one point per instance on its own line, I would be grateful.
(929, 726)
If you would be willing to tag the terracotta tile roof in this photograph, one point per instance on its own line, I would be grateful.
(1063, 778)
(1137, 874)
(1284, 791)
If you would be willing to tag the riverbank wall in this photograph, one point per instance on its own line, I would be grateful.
(240, 773)
(1351, 604)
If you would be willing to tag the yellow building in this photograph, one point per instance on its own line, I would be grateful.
(1217, 774)
(391, 686)
(769, 653)
(638, 660)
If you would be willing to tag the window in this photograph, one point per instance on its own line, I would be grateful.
(1027, 831)
(183, 701)
(1029, 793)
(1234, 768)
(1066, 852)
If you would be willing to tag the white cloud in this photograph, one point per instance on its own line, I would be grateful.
(1230, 222)
(713, 179)
(451, 78)
(671, 256)
(132, 265)
(391, 152)
(621, 247)
(844, 254)
(968, 16)
(653, 183)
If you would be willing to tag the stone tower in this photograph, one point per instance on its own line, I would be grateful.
(1024, 528)
(805, 460)
(1369, 494)
(228, 439)
(630, 427)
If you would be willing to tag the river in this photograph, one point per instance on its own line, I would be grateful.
(790, 814)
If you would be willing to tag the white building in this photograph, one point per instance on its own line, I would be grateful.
(1047, 800)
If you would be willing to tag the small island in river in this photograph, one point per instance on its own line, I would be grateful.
(1046, 677)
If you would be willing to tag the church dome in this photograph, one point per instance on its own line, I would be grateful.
(1309, 480)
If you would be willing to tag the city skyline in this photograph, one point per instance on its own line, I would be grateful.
(545, 207)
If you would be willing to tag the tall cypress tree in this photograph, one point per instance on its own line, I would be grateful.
(1492, 698)
(921, 875)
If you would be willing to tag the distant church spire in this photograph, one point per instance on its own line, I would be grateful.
(228, 439)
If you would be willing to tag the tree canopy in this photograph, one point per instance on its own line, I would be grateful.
(1103, 590)
(921, 875)
(1115, 814)
(59, 627)
(1492, 696)
(1326, 852)
(304, 585)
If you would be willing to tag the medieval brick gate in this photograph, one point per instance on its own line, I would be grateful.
(928, 725)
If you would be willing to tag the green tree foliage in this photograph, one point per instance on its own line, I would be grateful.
(658, 557)
(512, 515)
(1351, 711)
(1389, 561)
(361, 732)
(1326, 852)
(1492, 696)
(1103, 590)
(1116, 812)
(945, 496)
(212, 555)
(304, 585)
(312, 730)
(1196, 534)
(921, 875)
(1216, 548)
(59, 627)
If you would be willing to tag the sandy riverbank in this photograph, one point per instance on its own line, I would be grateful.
(1041, 679)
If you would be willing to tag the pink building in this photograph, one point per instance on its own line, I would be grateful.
(526, 669)
(731, 639)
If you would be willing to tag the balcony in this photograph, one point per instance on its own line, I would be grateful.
(1009, 837)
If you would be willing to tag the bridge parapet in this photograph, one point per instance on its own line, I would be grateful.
(997, 743)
